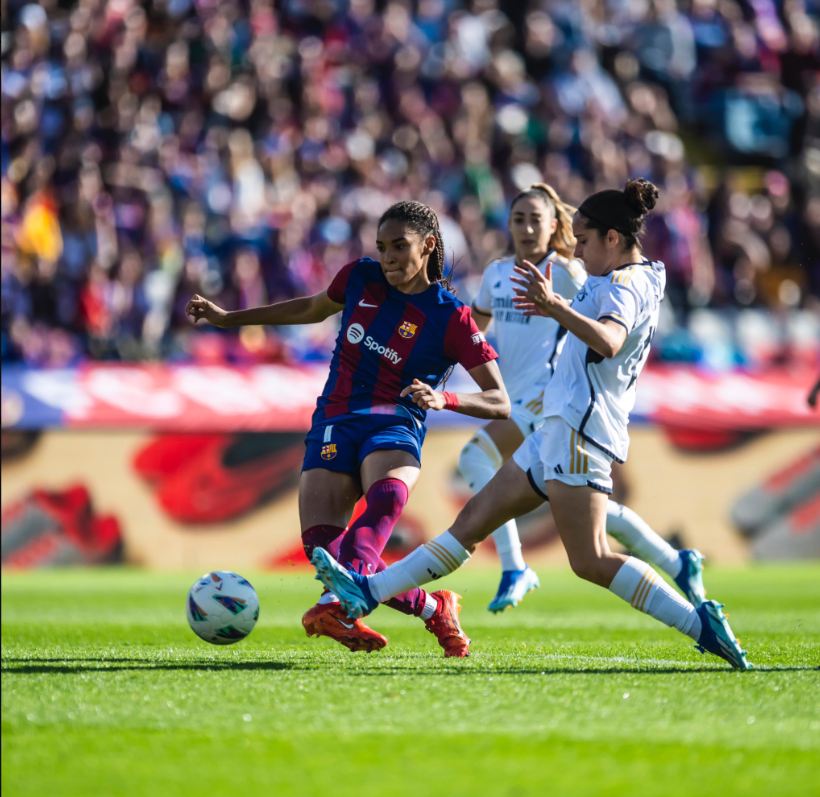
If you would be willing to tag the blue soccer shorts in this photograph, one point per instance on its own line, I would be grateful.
(342, 443)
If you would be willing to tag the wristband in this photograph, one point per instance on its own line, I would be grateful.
(450, 400)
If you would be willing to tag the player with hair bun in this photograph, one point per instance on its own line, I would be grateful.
(529, 347)
(401, 333)
(568, 461)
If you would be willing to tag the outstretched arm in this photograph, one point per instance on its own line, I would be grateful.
(535, 296)
(491, 403)
(307, 310)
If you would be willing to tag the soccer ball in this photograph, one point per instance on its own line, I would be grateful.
(222, 607)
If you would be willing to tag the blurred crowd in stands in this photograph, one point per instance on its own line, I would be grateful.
(244, 149)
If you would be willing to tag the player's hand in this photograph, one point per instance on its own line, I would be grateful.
(199, 308)
(424, 396)
(534, 294)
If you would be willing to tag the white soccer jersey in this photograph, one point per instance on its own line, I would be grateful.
(527, 345)
(593, 394)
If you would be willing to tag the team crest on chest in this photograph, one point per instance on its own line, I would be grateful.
(407, 330)
(329, 451)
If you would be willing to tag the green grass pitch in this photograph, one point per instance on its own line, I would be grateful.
(106, 691)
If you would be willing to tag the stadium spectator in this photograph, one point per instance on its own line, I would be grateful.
(151, 151)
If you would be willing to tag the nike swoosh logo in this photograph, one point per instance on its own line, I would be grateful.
(362, 303)
(352, 625)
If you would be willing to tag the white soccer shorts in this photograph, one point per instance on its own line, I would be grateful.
(557, 451)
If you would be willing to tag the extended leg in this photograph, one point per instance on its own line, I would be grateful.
(580, 515)
(326, 501)
(507, 495)
(634, 533)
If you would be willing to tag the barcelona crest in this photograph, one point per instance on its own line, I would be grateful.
(329, 451)
(407, 330)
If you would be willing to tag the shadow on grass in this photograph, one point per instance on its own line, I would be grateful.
(72, 666)
(69, 666)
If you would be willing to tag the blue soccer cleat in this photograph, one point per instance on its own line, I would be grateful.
(351, 588)
(515, 584)
(716, 636)
(690, 578)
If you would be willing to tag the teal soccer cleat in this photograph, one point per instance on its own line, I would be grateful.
(716, 636)
(515, 584)
(690, 578)
(351, 588)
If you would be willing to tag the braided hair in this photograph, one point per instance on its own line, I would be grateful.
(562, 240)
(423, 221)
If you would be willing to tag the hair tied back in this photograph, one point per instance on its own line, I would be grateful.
(640, 195)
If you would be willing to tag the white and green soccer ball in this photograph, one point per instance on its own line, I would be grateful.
(222, 607)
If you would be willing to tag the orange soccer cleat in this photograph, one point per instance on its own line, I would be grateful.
(329, 619)
(444, 625)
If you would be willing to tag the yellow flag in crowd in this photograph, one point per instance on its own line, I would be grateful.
(40, 233)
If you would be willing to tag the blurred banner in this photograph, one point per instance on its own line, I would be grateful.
(229, 499)
(280, 398)
(192, 465)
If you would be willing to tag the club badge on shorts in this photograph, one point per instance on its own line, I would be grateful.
(329, 451)
(407, 330)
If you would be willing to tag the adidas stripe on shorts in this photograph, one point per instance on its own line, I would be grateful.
(557, 451)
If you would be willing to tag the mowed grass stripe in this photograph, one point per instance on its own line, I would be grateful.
(573, 692)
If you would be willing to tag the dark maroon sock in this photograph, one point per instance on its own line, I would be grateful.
(364, 541)
(324, 536)
(411, 602)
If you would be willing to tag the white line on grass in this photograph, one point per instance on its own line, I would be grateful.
(625, 660)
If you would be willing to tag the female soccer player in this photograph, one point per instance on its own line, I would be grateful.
(540, 225)
(568, 460)
(401, 332)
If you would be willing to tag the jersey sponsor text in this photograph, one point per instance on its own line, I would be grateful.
(388, 354)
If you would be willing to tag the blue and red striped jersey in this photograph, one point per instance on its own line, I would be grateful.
(388, 338)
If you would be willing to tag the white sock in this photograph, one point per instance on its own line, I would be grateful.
(428, 562)
(328, 597)
(478, 462)
(640, 586)
(635, 534)
(508, 546)
(430, 606)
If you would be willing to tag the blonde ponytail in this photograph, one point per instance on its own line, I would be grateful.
(562, 240)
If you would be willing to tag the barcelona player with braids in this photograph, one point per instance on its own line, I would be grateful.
(402, 331)
(568, 460)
